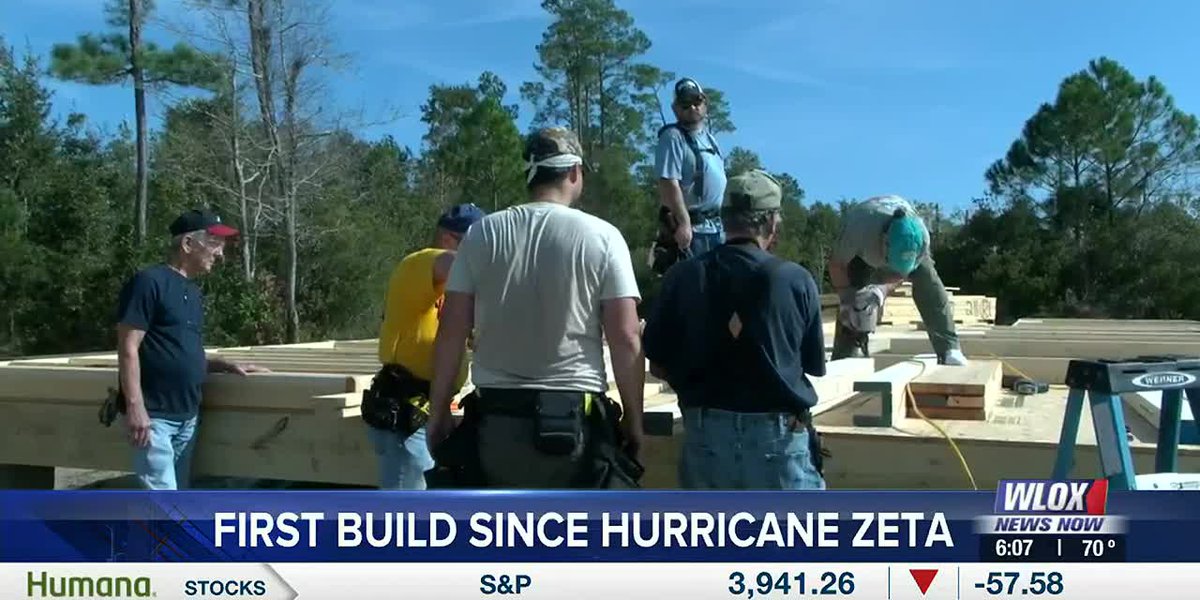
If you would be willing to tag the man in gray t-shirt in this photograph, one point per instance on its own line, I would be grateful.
(884, 242)
(546, 287)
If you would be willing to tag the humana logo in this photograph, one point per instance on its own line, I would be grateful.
(46, 586)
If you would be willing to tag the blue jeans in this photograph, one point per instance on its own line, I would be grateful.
(166, 462)
(726, 450)
(402, 460)
(703, 242)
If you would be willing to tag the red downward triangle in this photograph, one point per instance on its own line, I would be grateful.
(924, 578)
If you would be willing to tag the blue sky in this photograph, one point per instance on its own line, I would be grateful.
(852, 97)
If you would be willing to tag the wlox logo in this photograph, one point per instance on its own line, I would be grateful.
(1052, 497)
(1052, 507)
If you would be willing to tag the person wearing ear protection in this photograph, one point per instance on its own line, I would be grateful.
(883, 243)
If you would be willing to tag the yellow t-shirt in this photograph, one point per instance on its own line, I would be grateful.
(410, 316)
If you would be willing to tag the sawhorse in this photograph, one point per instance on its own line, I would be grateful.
(1102, 382)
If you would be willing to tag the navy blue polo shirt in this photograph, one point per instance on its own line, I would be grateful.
(170, 309)
(781, 343)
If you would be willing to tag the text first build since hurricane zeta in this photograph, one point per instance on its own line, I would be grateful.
(582, 529)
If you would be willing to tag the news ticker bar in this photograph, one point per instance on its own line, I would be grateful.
(447, 581)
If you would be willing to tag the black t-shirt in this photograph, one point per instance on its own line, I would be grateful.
(781, 343)
(169, 308)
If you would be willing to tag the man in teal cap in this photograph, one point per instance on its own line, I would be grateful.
(883, 243)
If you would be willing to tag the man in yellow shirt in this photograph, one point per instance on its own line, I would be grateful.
(397, 405)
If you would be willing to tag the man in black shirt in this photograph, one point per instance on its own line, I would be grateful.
(160, 351)
(736, 333)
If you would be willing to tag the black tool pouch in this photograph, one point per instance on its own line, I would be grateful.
(395, 402)
(666, 251)
(610, 467)
(558, 423)
(457, 457)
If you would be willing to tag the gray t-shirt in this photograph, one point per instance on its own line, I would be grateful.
(539, 273)
(674, 159)
(863, 229)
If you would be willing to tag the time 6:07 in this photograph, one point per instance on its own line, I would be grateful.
(1039, 583)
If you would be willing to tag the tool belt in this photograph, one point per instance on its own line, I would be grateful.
(397, 401)
(582, 425)
(666, 251)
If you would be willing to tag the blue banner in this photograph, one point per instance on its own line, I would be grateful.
(584, 526)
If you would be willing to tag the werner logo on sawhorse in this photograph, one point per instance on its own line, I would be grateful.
(1101, 382)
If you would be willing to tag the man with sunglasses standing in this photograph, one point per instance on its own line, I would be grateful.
(884, 242)
(397, 405)
(691, 181)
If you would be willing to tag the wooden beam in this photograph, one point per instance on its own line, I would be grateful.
(90, 386)
(890, 384)
(283, 444)
(984, 348)
(928, 463)
(1127, 324)
(1148, 405)
(979, 378)
(1052, 370)
(283, 366)
(837, 386)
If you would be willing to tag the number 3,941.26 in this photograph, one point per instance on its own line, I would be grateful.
(790, 584)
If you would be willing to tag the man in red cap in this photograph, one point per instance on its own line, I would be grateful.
(160, 350)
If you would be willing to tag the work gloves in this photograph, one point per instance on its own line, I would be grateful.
(859, 309)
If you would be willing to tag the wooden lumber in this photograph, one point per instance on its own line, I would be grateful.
(985, 348)
(926, 401)
(956, 392)
(926, 462)
(978, 378)
(1027, 333)
(1051, 370)
(282, 366)
(1148, 405)
(88, 386)
(286, 445)
(1111, 324)
(948, 413)
(890, 384)
(837, 385)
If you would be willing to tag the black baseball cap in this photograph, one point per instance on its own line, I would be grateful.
(688, 89)
(201, 220)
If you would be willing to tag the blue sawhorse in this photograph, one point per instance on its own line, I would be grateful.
(1103, 382)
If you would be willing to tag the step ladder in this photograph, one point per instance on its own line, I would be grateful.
(1102, 382)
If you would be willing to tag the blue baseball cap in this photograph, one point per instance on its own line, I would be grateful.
(906, 240)
(460, 217)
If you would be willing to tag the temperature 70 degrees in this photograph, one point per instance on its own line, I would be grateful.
(1095, 548)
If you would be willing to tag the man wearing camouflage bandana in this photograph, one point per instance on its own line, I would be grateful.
(737, 333)
(545, 286)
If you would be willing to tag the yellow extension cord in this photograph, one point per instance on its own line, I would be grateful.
(953, 445)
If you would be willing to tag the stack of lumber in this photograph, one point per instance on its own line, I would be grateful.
(900, 309)
(1042, 348)
(965, 393)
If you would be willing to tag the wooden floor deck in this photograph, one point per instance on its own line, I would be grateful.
(301, 422)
